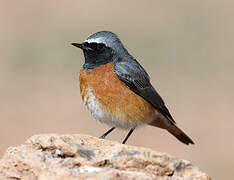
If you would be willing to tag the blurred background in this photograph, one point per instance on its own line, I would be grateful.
(186, 46)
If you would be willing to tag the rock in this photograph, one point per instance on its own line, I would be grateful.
(70, 157)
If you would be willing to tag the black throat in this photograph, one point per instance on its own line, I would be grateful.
(96, 55)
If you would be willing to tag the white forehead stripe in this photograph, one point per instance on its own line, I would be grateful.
(95, 40)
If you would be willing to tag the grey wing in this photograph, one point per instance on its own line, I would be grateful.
(136, 78)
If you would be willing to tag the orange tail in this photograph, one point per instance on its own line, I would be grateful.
(174, 130)
(180, 135)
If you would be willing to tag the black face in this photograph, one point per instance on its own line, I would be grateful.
(96, 54)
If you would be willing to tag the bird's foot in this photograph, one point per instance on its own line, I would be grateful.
(102, 137)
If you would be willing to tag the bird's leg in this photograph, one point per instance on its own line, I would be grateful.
(128, 135)
(106, 133)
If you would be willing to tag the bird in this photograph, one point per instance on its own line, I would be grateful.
(117, 90)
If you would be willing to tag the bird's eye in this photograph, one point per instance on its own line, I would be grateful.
(93, 46)
(86, 44)
(100, 46)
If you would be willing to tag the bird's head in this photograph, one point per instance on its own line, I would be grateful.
(101, 48)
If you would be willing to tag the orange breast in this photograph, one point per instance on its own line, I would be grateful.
(114, 97)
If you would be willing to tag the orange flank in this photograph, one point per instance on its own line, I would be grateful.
(114, 97)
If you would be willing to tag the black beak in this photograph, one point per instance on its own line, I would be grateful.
(81, 46)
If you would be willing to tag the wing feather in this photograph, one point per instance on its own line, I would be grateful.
(129, 71)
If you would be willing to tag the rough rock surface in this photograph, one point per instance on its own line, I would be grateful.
(70, 157)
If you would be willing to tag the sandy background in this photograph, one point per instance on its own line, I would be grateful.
(186, 46)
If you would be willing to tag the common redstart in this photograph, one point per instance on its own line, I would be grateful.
(117, 91)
